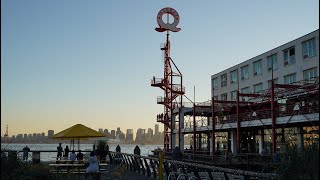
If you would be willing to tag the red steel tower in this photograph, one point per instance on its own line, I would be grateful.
(171, 75)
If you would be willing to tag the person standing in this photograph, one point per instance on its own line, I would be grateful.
(66, 152)
(118, 149)
(136, 150)
(25, 153)
(80, 156)
(73, 156)
(59, 149)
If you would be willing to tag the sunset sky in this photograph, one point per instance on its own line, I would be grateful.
(90, 62)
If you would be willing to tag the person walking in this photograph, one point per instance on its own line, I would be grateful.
(25, 153)
(59, 150)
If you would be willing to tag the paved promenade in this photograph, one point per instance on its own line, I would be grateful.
(128, 175)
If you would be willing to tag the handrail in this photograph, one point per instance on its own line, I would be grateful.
(194, 165)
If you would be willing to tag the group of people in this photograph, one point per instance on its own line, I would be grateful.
(72, 156)
(93, 160)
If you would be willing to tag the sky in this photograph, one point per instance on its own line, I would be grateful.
(90, 62)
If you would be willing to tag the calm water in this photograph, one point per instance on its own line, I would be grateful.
(125, 148)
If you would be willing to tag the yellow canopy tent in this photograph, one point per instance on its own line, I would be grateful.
(78, 132)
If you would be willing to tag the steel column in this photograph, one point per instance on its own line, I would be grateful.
(213, 129)
(194, 129)
(238, 123)
(273, 118)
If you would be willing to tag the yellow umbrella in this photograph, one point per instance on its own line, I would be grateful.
(78, 131)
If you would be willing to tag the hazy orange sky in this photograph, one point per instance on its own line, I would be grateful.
(90, 62)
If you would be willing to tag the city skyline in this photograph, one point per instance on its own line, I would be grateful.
(128, 136)
(70, 62)
(102, 130)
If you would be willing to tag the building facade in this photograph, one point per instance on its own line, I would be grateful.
(267, 116)
(294, 61)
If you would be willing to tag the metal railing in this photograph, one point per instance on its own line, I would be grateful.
(148, 166)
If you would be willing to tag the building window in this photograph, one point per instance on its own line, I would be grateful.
(257, 68)
(223, 80)
(215, 97)
(310, 75)
(257, 88)
(215, 83)
(289, 79)
(245, 72)
(245, 90)
(309, 48)
(272, 62)
(224, 96)
(274, 80)
(234, 76)
(233, 95)
(289, 56)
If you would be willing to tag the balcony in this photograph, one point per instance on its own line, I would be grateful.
(178, 89)
(160, 100)
(156, 82)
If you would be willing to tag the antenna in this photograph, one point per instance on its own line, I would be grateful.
(6, 135)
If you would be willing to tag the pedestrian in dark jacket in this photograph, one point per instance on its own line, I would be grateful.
(118, 149)
(136, 150)
(25, 153)
(66, 152)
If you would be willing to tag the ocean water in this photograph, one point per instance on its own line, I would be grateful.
(50, 156)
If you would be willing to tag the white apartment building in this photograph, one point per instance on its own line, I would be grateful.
(294, 61)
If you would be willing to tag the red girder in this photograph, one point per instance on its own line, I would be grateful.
(249, 95)
(289, 86)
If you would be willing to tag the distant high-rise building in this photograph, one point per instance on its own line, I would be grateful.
(129, 136)
(156, 129)
(25, 137)
(100, 130)
(118, 132)
(34, 136)
(30, 137)
(106, 131)
(113, 134)
(43, 135)
(19, 138)
(149, 135)
(140, 136)
(38, 136)
(50, 133)
(122, 137)
(13, 138)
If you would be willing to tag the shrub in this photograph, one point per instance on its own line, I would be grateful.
(300, 164)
